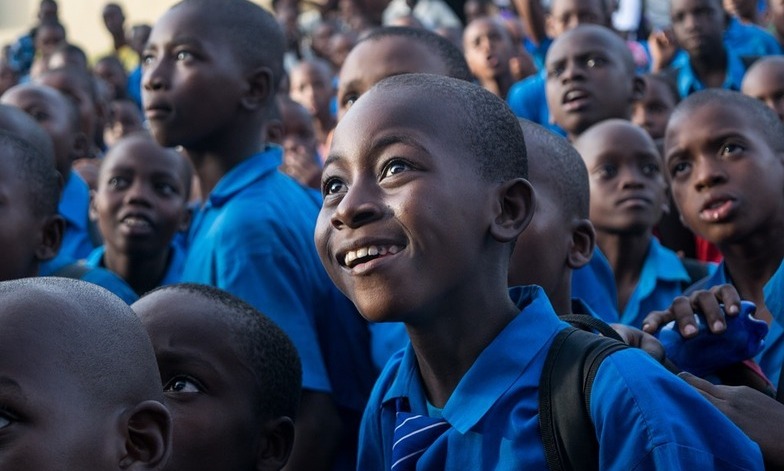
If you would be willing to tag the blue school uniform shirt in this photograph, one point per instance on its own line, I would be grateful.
(594, 285)
(527, 100)
(662, 278)
(97, 276)
(687, 81)
(253, 237)
(173, 268)
(645, 417)
(750, 40)
(771, 358)
(74, 207)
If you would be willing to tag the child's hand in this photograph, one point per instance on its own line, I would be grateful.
(683, 310)
(663, 48)
(757, 414)
(638, 339)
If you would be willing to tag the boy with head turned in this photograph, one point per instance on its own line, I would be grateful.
(230, 376)
(79, 386)
(488, 48)
(765, 82)
(58, 116)
(140, 204)
(628, 194)
(209, 88)
(393, 51)
(471, 371)
(590, 77)
(311, 86)
(724, 158)
(29, 186)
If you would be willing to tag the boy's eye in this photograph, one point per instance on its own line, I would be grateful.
(333, 186)
(650, 169)
(555, 71)
(118, 183)
(349, 100)
(182, 384)
(678, 169)
(184, 55)
(607, 171)
(731, 149)
(166, 189)
(394, 167)
(147, 59)
(593, 62)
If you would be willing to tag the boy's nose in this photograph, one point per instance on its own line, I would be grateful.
(357, 208)
(153, 76)
(708, 174)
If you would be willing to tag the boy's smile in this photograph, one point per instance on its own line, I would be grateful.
(400, 198)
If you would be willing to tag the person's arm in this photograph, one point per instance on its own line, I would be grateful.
(317, 433)
(663, 48)
(533, 16)
(760, 416)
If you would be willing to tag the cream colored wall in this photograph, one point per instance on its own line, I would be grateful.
(82, 19)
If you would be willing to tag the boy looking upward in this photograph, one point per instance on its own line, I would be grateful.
(209, 88)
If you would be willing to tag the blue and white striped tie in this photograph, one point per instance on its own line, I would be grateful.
(413, 435)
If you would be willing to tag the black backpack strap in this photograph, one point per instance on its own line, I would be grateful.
(591, 324)
(565, 386)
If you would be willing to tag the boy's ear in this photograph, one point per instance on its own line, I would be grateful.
(185, 222)
(275, 445)
(259, 89)
(514, 209)
(147, 436)
(93, 211)
(80, 148)
(52, 229)
(638, 88)
(582, 244)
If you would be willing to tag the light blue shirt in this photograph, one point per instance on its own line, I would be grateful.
(645, 417)
(173, 268)
(771, 358)
(254, 238)
(750, 40)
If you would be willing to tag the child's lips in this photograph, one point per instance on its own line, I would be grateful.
(157, 111)
(717, 210)
(137, 225)
(575, 100)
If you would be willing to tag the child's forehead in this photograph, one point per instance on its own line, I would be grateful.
(618, 137)
(187, 21)
(579, 42)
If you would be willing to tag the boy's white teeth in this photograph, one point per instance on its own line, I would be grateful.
(135, 221)
(370, 251)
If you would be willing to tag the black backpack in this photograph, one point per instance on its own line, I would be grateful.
(574, 357)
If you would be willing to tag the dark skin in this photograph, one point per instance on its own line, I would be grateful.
(698, 26)
(440, 315)
(230, 134)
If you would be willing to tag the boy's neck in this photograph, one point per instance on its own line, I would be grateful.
(711, 68)
(499, 86)
(753, 262)
(449, 343)
(142, 272)
(626, 254)
(219, 157)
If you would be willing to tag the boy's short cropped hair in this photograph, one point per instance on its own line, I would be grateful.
(498, 139)
(444, 48)
(273, 358)
(36, 170)
(752, 110)
(567, 171)
(253, 32)
(16, 121)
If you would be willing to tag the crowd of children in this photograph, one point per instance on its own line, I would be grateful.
(346, 233)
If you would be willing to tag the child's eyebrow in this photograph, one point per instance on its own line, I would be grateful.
(9, 385)
(385, 141)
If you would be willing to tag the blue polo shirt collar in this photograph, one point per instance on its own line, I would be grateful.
(245, 174)
(688, 82)
(495, 370)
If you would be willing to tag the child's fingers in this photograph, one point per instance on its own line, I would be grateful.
(729, 296)
(705, 302)
(706, 388)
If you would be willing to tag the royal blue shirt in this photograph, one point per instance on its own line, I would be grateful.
(527, 100)
(74, 207)
(749, 40)
(771, 358)
(95, 275)
(594, 285)
(645, 417)
(253, 237)
(173, 268)
(687, 81)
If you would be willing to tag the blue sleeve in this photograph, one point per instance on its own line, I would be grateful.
(646, 418)
(526, 98)
(111, 282)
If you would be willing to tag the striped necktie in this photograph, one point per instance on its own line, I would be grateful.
(413, 436)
